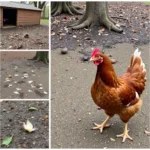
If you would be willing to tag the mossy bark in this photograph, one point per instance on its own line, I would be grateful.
(97, 13)
(41, 56)
(64, 7)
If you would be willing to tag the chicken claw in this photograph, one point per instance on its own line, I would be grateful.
(125, 134)
(103, 125)
(100, 127)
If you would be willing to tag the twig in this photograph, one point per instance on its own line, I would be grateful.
(121, 18)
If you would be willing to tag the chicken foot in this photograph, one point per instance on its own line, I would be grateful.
(103, 125)
(125, 134)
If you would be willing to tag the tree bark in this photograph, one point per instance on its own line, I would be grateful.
(64, 7)
(41, 56)
(97, 13)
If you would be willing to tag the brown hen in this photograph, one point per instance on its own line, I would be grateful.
(118, 95)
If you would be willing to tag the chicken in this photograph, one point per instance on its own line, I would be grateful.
(118, 95)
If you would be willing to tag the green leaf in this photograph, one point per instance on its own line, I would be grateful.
(32, 108)
(7, 141)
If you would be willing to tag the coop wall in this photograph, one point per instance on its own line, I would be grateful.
(1, 17)
(28, 17)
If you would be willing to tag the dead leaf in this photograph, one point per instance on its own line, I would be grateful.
(101, 30)
(87, 38)
(134, 39)
(9, 76)
(113, 140)
(134, 31)
(147, 132)
(28, 126)
(53, 33)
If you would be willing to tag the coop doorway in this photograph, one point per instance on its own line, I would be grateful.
(9, 17)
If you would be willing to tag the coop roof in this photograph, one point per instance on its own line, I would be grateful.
(19, 5)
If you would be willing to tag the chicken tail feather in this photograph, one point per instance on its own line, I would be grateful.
(137, 64)
(136, 72)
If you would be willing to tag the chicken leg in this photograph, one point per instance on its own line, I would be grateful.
(101, 126)
(125, 134)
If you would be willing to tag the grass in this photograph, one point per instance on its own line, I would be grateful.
(44, 21)
(147, 3)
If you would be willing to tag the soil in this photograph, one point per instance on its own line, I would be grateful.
(73, 110)
(22, 78)
(27, 37)
(14, 113)
(134, 20)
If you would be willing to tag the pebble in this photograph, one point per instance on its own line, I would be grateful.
(26, 35)
(79, 120)
(9, 76)
(86, 58)
(64, 51)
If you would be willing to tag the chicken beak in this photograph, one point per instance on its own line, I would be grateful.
(91, 59)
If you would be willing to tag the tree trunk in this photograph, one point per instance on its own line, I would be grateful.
(41, 56)
(64, 7)
(97, 13)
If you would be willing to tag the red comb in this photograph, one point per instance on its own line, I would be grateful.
(95, 51)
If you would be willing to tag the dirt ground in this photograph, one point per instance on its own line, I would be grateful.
(14, 113)
(73, 110)
(134, 19)
(14, 38)
(22, 78)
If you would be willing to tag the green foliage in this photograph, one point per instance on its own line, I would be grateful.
(32, 108)
(44, 21)
(7, 141)
(147, 3)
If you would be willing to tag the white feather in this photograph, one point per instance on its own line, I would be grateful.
(137, 53)
(137, 95)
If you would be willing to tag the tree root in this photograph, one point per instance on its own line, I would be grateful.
(42, 57)
(64, 7)
(109, 23)
(111, 26)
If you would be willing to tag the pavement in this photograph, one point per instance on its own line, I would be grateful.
(73, 110)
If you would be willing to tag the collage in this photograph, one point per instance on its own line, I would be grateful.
(74, 74)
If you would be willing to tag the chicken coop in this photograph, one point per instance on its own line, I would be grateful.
(18, 14)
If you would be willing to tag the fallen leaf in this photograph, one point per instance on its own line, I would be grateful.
(10, 85)
(28, 126)
(45, 92)
(117, 25)
(101, 31)
(147, 132)
(41, 88)
(53, 33)
(113, 140)
(29, 90)
(7, 141)
(18, 89)
(32, 108)
(134, 31)
(16, 92)
(30, 82)
(134, 39)
(9, 76)
(87, 38)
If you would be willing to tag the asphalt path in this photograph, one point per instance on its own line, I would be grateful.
(73, 110)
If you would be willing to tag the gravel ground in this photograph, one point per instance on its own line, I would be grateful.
(134, 18)
(28, 37)
(73, 110)
(14, 113)
(22, 78)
